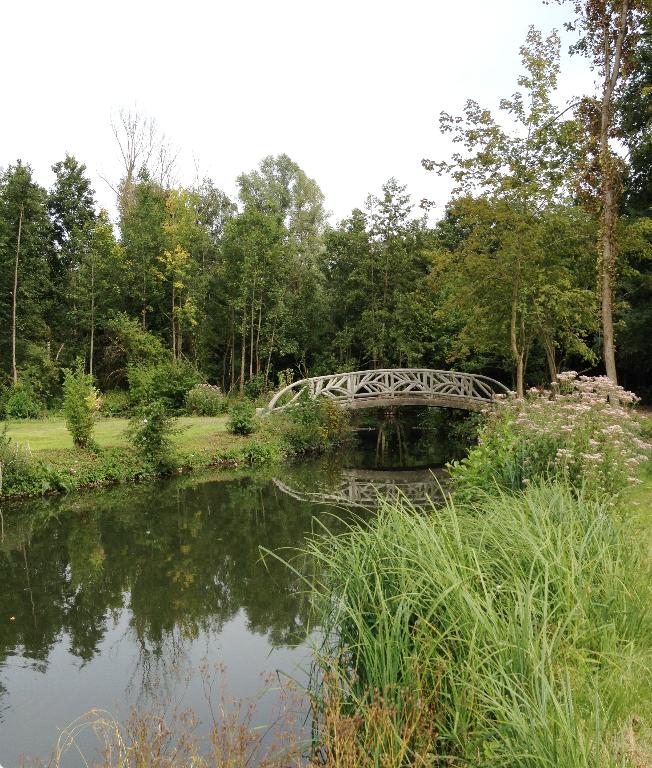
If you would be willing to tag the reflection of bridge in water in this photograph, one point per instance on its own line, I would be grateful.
(366, 487)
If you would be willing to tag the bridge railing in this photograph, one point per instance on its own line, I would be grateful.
(388, 384)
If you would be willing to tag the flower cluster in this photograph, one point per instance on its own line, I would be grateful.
(584, 430)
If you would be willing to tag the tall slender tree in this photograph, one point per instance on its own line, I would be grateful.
(519, 171)
(71, 205)
(609, 31)
(25, 237)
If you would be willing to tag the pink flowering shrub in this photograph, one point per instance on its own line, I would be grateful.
(586, 434)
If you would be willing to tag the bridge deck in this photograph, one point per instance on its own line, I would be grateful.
(388, 387)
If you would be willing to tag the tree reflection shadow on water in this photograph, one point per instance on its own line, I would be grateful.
(183, 558)
(135, 583)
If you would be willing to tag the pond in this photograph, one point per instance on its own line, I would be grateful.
(121, 597)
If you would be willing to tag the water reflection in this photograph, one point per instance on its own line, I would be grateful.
(183, 559)
(368, 487)
(104, 596)
(118, 595)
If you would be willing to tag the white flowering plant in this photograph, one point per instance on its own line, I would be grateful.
(584, 430)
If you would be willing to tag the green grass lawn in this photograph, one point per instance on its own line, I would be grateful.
(51, 434)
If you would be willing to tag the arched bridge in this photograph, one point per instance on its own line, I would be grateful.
(388, 387)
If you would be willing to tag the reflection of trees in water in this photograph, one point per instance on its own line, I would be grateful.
(390, 438)
(182, 560)
(157, 671)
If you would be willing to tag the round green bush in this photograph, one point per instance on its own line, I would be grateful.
(150, 431)
(168, 382)
(242, 419)
(256, 386)
(21, 402)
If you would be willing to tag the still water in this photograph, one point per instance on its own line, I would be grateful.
(116, 598)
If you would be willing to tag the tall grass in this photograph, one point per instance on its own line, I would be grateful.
(515, 631)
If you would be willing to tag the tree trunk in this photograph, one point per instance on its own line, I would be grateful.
(517, 355)
(232, 381)
(609, 213)
(90, 355)
(549, 349)
(251, 340)
(269, 356)
(14, 300)
(174, 335)
(260, 321)
(243, 353)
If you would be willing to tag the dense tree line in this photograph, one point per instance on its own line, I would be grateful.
(520, 276)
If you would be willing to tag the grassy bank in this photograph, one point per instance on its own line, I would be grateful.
(515, 631)
(39, 456)
(35, 467)
(44, 435)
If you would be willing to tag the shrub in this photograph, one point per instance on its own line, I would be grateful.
(43, 374)
(80, 404)
(150, 431)
(314, 424)
(21, 402)
(15, 464)
(115, 402)
(205, 400)
(241, 418)
(586, 434)
(130, 345)
(262, 453)
(168, 383)
(256, 386)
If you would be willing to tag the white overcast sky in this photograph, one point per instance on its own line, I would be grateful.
(350, 90)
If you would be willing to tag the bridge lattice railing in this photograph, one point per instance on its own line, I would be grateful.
(390, 382)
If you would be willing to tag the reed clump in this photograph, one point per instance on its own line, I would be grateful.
(512, 631)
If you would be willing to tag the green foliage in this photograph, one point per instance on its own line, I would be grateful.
(80, 404)
(586, 436)
(497, 620)
(314, 424)
(262, 452)
(167, 382)
(130, 345)
(150, 431)
(15, 465)
(205, 400)
(21, 402)
(23, 475)
(42, 374)
(242, 418)
(115, 402)
(23, 209)
(256, 386)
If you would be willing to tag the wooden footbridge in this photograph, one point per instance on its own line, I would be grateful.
(387, 387)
